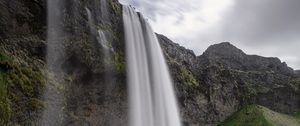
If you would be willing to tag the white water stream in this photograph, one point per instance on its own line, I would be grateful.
(151, 94)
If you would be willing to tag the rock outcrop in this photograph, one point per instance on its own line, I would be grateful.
(297, 72)
(231, 57)
(214, 85)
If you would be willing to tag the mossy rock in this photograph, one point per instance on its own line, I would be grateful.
(119, 62)
(188, 77)
(18, 84)
(5, 104)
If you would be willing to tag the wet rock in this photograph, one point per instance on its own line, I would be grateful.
(226, 79)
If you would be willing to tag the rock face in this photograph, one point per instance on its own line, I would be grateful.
(177, 52)
(231, 57)
(224, 78)
(93, 88)
(297, 72)
(209, 87)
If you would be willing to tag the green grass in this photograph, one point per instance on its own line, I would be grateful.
(248, 116)
(5, 106)
(255, 115)
(296, 115)
(4, 58)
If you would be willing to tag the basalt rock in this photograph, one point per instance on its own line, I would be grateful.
(224, 78)
(231, 57)
(297, 72)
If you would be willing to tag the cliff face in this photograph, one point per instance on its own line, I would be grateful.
(231, 57)
(297, 72)
(209, 87)
(224, 78)
(93, 87)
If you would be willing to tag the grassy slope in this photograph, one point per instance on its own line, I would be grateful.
(297, 115)
(254, 115)
(19, 85)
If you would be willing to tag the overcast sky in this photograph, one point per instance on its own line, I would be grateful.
(268, 28)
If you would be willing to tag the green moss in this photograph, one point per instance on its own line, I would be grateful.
(255, 115)
(116, 7)
(18, 84)
(119, 62)
(3, 85)
(248, 116)
(188, 77)
(70, 78)
(296, 114)
(184, 76)
(249, 89)
(25, 79)
(5, 106)
(37, 104)
(5, 111)
(4, 57)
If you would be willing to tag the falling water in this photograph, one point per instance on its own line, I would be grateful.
(100, 36)
(152, 99)
(53, 114)
(90, 19)
(104, 11)
(103, 40)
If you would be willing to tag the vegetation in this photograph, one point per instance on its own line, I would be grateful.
(296, 115)
(188, 77)
(116, 8)
(248, 91)
(255, 115)
(119, 62)
(5, 107)
(184, 76)
(247, 116)
(18, 84)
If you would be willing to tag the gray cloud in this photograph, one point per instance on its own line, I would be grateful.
(263, 21)
(265, 27)
(152, 8)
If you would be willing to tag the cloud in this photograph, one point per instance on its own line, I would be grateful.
(268, 28)
(268, 20)
(154, 8)
(265, 27)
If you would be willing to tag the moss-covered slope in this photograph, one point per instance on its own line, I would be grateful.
(255, 115)
(20, 86)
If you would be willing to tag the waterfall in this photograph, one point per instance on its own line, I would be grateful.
(100, 35)
(102, 40)
(151, 95)
(53, 114)
(90, 19)
(104, 11)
